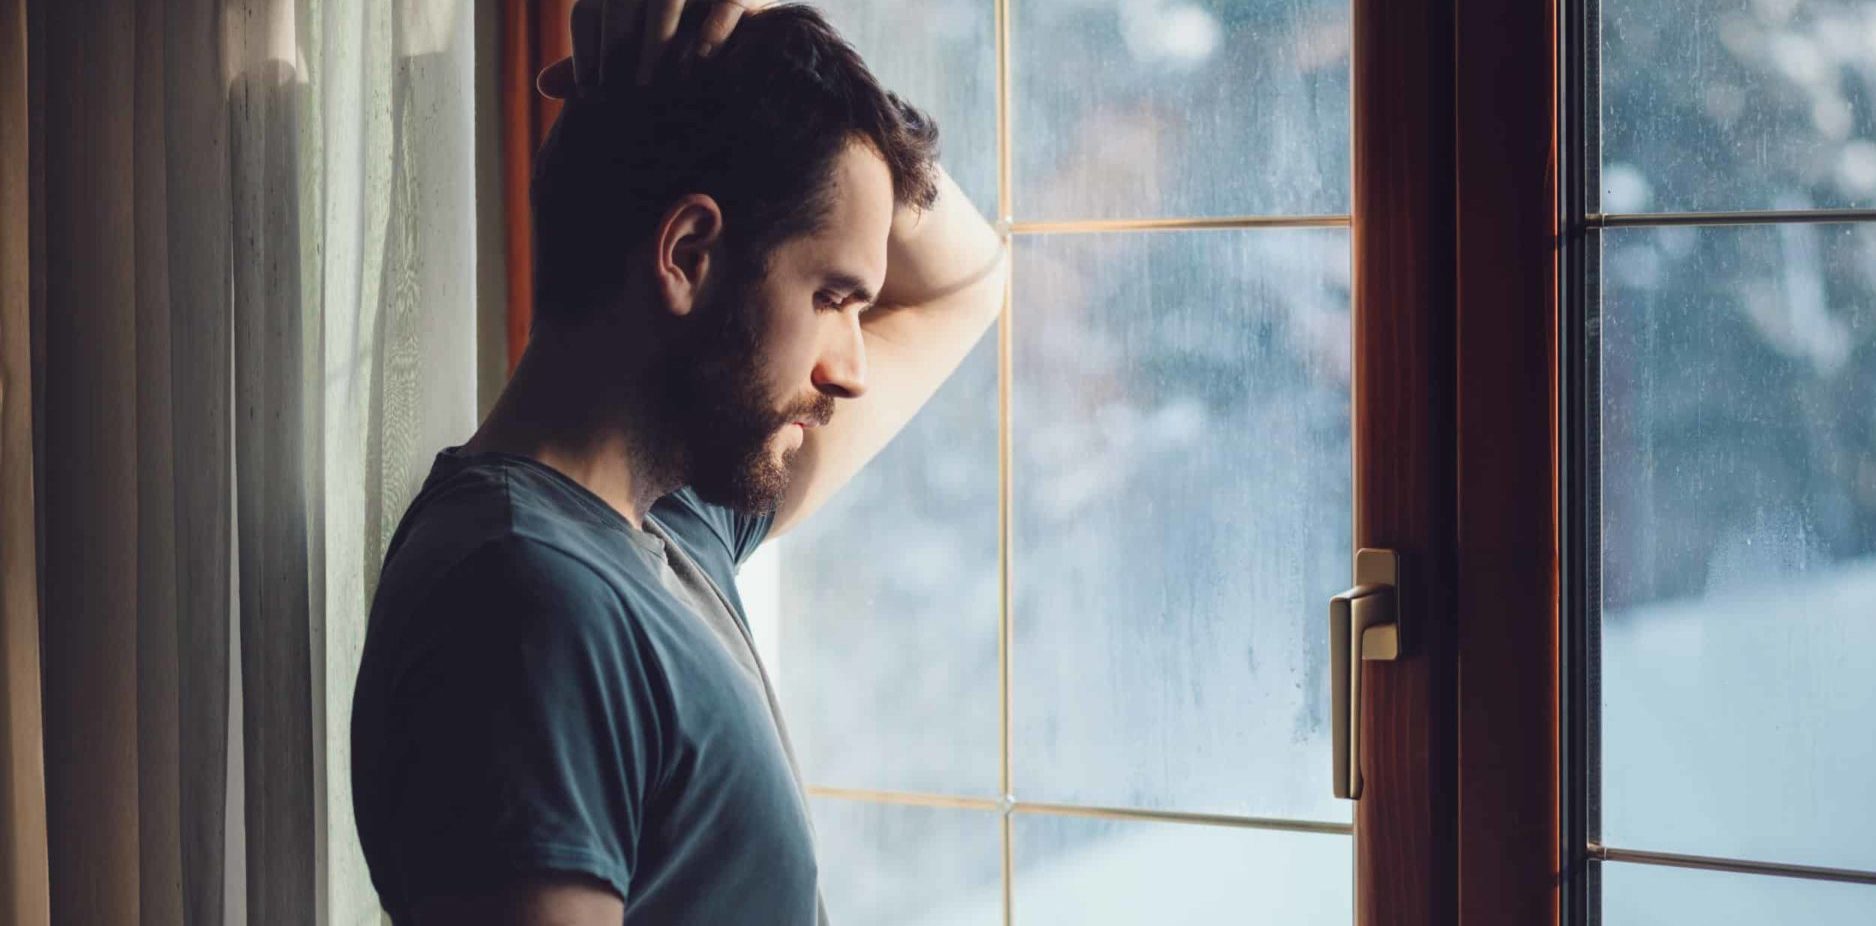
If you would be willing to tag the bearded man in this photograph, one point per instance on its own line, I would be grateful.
(750, 273)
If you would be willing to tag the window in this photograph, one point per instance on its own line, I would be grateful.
(1059, 654)
(1726, 311)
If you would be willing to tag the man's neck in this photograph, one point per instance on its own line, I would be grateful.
(570, 411)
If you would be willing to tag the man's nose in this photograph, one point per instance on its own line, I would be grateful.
(841, 371)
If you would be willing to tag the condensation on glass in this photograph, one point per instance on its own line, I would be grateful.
(940, 55)
(1647, 895)
(1737, 105)
(1152, 872)
(1181, 495)
(1179, 433)
(888, 667)
(1735, 560)
(1739, 541)
(1125, 109)
(909, 866)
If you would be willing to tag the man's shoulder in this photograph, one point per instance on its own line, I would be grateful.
(501, 519)
(483, 538)
(518, 573)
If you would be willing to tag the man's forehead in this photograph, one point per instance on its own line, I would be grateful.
(853, 239)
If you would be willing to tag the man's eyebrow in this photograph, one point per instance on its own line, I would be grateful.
(852, 285)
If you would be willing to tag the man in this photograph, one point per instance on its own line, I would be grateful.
(749, 275)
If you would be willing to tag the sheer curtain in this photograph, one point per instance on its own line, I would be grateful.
(252, 310)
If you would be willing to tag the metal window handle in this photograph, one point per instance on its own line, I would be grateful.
(1364, 624)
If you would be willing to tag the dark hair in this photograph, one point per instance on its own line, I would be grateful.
(757, 126)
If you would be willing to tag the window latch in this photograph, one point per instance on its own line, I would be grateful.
(1364, 625)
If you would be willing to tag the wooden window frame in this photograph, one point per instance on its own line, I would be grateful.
(1458, 456)
(1510, 463)
(1402, 245)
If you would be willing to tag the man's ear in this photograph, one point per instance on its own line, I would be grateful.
(688, 234)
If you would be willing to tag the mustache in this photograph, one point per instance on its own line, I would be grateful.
(820, 410)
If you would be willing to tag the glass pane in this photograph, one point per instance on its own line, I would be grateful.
(919, 866)
(888, 607)
(1125, 109)
(1099, 872)
(1739, 542)
(942, 56)
(1182, 514)
(1653, 895)
(1736, 104)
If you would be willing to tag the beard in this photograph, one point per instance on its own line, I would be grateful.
(716, 407)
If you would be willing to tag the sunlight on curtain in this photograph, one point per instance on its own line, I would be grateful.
(254, 279)
(386, 213)
(252, 319)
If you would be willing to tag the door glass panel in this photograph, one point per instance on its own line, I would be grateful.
(1094, 872)
(1144, 490)
(1182, 497)
(1647, 895)
(941, 56)
(918, 866)
(1189, 108)
(1731, 509)
(1739, 541)
(887, 602)
(1738, 104)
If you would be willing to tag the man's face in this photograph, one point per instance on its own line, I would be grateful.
(771, 353)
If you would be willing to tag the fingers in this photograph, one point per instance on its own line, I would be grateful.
(616, 30)
(722, 19)
(661, 19)
(585, 25)
(603, 30)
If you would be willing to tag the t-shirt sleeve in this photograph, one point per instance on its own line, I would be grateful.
(747, 532)
(529, 719)
(740, 532)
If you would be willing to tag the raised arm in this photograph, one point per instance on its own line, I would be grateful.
(945, 273)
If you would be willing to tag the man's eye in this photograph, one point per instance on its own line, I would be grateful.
(828, 301)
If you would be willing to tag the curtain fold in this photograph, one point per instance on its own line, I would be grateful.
(259, 279)
(23, 879)
(90, 557)
(159, 779)
(274, 428)
(193, 123)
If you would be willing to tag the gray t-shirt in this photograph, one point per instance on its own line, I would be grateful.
(545, 686)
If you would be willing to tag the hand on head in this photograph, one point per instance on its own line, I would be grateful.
(616, 40)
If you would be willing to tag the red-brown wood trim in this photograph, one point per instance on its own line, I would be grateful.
(516, 88)
(534, 34)
(1402, 227)
(553, 40)
(1505, 149)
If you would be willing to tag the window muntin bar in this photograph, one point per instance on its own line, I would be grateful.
(1181, 224)
(1737, 866)
(958, 802)
(1763, 217)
